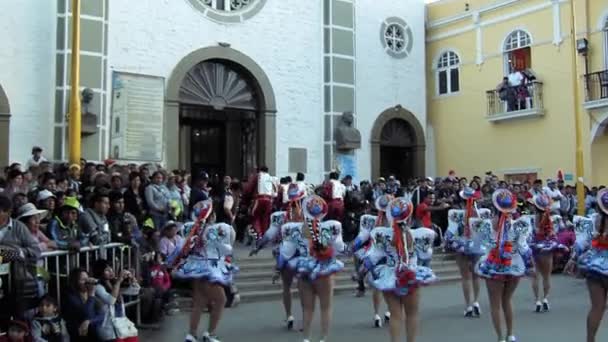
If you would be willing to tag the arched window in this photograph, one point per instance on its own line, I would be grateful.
(517, 51)
(448, 73)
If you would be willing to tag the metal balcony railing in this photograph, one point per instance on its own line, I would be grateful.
(515, 102)
(596, 86)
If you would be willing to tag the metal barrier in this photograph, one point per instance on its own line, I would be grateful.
(58, 264)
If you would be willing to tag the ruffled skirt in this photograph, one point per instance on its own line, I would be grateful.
(462, 245)
(220, 271)
(519, 266)
(384, 278)
(310, 268)
(551, 245)
(594, 261)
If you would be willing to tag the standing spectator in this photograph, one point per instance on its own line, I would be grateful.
(200, 190)
(134, 199)
(63, 228)
(393, 186)
(424, 210)
(116, 183)
(175, 197)
(348, 183)
(48, 326)
(552, 191)
(74, 177)
(15, 236)
(93, 221)
(157, 200)
(184, 188)
(82, 315)
(36, 158)
(144, 171)
(123, 225)
(15, 183)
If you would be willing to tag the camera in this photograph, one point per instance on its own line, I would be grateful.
(91, 281)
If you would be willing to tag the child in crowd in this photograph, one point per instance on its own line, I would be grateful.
(18, 331)
(48, 326)
(171, 240)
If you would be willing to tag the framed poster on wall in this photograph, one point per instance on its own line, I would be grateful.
(137, 117)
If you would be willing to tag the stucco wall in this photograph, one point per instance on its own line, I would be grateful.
(27, 57)
(383, 81)
(151, 37)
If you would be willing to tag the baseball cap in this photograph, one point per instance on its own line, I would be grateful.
(44, 195)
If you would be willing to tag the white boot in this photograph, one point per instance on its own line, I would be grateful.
(377, 321)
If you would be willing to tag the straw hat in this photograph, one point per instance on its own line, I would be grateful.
(28, 210)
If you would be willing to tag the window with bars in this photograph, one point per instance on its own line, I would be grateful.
(517, 52)
(448, 73)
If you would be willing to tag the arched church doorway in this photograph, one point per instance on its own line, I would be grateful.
(398, 145)
(220, 114)
(5, 116)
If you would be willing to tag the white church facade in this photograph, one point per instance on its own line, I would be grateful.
(223, 85)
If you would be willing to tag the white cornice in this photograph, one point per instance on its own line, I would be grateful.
(465, 15)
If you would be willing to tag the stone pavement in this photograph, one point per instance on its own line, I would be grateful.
(441, 319)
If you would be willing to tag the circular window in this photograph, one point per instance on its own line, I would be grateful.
(230, 11)
(397, 37)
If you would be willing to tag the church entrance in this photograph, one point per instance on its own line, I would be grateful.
(220, 128)
(397, 145)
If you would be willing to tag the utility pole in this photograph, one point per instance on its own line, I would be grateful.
(580, 167)
(75, 114)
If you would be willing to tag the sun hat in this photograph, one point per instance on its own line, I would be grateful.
(44, 195)
(315, 207)
(28, 210)
(467, 193)
(542, 201)
(399, 209)
(382, 202)
(504, 201)
(294, 193)
(602, 200)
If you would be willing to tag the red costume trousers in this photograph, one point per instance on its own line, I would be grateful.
(262, 208)
(335, 209)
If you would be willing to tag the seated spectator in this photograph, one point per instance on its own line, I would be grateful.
(30, 216)
(74, 177)
(123, 226)
(48, 326)
(19, 199)
(108, 292)
(64, 230)
(46, 200)
(151, 238)
(18, 331)
(93, 220)
(170, 240)
(82, 316)
(16, 240)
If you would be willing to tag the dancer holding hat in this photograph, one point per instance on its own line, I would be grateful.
(507, 257)
(459, 239)
(206, 259)
(362, 245)
(591, 257)
(286, 251)
(323, 241)
(393, 270)
(544, 244)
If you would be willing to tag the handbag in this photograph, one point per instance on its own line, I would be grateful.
(123, 327)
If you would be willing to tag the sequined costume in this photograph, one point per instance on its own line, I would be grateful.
(591, 247)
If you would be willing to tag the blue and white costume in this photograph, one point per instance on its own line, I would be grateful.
(540, 242)
(457, 239)
(362, 242)
(423, 244)
(507, 253)
(273, 235)
(209, 257)
(591, 249)
(322, 251)
(384, 265)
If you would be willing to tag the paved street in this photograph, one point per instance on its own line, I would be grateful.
(440, 319)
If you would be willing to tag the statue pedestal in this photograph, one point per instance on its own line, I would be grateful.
(347, 164)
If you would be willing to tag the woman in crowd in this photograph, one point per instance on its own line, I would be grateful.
(362, 244)
(459, 239)
(134, 198)
(205, 258)
(544, 244)
(591, 257)
(392, 265)
(81, 313)
(15, 184)
(323, 241)
(506, 258)
(157, 200)
(286, 251)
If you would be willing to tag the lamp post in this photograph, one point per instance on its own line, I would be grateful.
(75, 114)
(580, 169)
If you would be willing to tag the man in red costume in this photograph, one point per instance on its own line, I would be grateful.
(262, 188)
(334, 193)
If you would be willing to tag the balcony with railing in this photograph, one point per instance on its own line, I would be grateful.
(596, 90)
(510, 103)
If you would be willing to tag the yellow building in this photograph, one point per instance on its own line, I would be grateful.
(527, 129)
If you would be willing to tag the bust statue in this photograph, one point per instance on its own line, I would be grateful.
(89, 120)
(347, 137)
